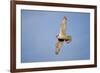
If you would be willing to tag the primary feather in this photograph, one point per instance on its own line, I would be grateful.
(58, 46)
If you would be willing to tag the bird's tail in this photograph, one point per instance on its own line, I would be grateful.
(69, 39)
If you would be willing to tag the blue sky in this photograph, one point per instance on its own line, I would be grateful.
(39, 30)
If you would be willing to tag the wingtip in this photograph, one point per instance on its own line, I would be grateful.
(57, 53)
(65, 17)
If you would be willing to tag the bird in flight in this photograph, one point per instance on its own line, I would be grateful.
(62, 36)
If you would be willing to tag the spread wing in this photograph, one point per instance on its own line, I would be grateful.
(58, 46)
(63, 26)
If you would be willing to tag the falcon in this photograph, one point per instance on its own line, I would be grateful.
(62, 36)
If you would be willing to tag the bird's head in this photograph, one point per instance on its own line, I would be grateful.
(57, 35)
